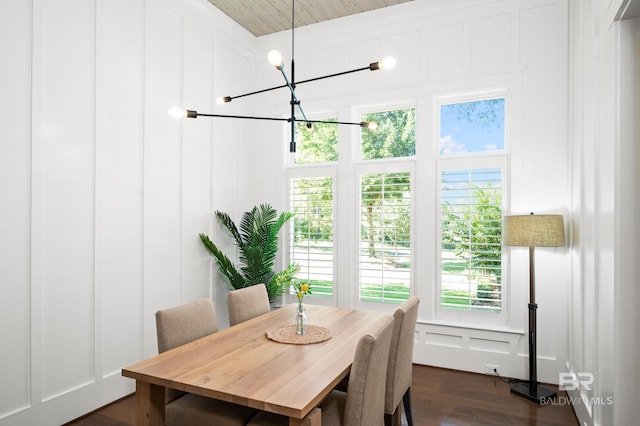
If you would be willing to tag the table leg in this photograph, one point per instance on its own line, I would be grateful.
(149, 404)
(311, 419)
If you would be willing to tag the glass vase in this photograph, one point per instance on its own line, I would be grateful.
(301, 319)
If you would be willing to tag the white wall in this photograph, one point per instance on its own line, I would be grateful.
(627, 245)
(103, 195)
(446, 47)
(604, 253)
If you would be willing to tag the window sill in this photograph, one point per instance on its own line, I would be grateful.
(464, 326)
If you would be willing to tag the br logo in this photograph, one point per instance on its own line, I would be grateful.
(573, 381)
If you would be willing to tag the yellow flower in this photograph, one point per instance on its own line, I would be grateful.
(301, 288)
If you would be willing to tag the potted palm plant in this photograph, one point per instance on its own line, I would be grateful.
(257, 242)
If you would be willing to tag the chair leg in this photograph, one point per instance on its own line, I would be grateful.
(406, 401)
(388, 419)
(394, 419)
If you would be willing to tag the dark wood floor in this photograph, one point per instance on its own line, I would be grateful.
(439, 397)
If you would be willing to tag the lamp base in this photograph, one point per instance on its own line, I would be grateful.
(538, 394)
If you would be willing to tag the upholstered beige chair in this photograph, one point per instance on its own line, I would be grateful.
(400, 362)
(177, 326)
(363, 403)
(246, 303)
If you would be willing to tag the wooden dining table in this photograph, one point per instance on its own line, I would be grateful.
(242, 365)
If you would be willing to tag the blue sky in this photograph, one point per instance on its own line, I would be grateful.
(472, 126)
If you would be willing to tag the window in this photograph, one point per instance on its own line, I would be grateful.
(471, 250)
(385, 207)
(394, 137)
(311, 194)
(318, 144)
(311, 245)
(385, 243)
(471, 127)
(472, 176)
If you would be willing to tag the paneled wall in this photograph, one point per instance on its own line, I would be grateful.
(626, 373)
(445, 48)
(603, 343)
(103, 195)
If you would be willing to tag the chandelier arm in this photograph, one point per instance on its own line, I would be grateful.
(258, 91)
(332, 75)
(361, 123)
(195, 114)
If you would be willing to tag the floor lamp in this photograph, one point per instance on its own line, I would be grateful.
(533, 231)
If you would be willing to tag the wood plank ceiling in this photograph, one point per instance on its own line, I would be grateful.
(262, 17)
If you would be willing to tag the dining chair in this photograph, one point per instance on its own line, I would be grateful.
(400, 366)
(248, 302)
(363, 403)
(175, 327)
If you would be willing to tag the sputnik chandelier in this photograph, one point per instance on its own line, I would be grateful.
(275, 58)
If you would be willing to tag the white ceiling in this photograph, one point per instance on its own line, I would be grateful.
(261, 17)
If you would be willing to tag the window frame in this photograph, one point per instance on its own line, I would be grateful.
(311, 171)
(374, 109)
(457, 315)
(469, 161)
(458, 98)
(364, 167)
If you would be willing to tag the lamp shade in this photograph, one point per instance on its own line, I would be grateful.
(544, 230)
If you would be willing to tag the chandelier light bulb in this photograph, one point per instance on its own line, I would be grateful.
(387, 63)
(177, 113)
(275, 58)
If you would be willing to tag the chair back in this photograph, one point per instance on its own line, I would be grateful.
(183, 324)
(246, 303)
(365, 393)
(401, 353)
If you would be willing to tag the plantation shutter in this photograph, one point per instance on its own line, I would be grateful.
(471, 247)
(385, 243)
(311, 245)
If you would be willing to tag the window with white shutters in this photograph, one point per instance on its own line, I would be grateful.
(311, 245)
(385, 237)
(471, 239)
(471, 197)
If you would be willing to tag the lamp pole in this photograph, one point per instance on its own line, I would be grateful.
(531, 231)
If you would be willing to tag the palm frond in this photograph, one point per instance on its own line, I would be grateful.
(270, 243)
(225, 219)
(228, 269)
(256, 222)
(257, 242)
